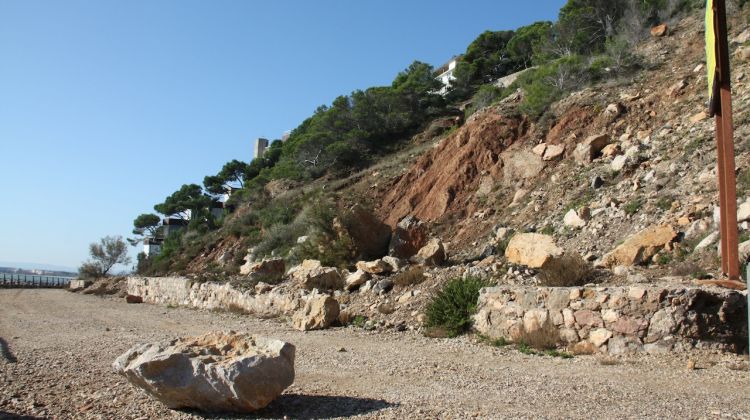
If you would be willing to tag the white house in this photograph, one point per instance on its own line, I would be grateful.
(445, 75)
(151, 246)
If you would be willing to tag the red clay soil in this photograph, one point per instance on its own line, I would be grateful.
(444, 178)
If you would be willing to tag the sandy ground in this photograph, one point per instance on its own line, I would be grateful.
(57, 350)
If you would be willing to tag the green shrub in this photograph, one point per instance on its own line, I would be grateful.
(452, 307)
(485, 96)
(633, 206)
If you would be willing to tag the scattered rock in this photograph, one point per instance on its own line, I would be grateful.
(374, 267)
(216, 372)
(319, 312)
(641, 247)
(432, 254)
(590, 148)
(356, 279)
(553, 151)
(312, 275)
(408, 238)
(572, 219)
(269, 271)
(382, 287)
(539, 251)
(396, 264)
(619, 162)
(659, 30)
(707, 241)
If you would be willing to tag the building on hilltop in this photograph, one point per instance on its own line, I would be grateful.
(152, 246)
(171, 225)
(445, 74)
(260, 147)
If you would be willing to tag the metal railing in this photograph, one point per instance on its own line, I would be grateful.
(9, 280)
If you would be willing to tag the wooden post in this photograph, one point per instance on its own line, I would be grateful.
(730, 265)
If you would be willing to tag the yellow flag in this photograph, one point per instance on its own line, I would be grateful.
(710, 52)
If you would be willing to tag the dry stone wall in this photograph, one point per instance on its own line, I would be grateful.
(616, 320)
(181, 291)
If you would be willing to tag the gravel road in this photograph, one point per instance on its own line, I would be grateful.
(57, 349)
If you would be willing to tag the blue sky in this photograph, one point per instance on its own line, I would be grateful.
(107, 107)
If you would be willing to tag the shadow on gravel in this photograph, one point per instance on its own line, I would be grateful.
(310, 407)
(5, 351)
(5, 415)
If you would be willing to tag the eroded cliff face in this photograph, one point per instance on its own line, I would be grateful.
(442, 179)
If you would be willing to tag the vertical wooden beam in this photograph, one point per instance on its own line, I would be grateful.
(725, 149)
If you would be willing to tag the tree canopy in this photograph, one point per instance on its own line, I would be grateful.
(105, 254)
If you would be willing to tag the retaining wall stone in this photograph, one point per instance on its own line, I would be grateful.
(616, 320)
(181, 291)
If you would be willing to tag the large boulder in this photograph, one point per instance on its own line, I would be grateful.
(557, 267)
(640, 247)
(408, 238)
(215, 372)
(312, 275)
(267, 271)
(374, 267)
(590, 148)
(319, 312)
(368, 233)
(432, 254)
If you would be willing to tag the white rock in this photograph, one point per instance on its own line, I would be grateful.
(599, 336)
(707, 241)
(573, 220)
(224, 372)
(618, 162)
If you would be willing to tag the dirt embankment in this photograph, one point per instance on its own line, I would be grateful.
(444, 178)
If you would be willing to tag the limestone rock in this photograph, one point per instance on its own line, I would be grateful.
(215, 372)
(590, 148)
(743, 212)
(319, 312)
(394, 263)
(599, 336)
(408, 238)
(269, 271)
(619, 162)
(707, 241)
(356, 279)
(520, 164)
(432, 254)
(539, 149)
(553, 151)
(573, 220)
(641, 247)
(374, 267)
(659, 30)
(312, 275)
(557, 267)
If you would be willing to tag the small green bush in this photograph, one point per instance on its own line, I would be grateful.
(452, 307)
(632, 207)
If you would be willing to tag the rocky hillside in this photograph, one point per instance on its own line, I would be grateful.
(620, 176)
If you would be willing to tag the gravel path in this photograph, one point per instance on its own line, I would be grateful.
(57, 348)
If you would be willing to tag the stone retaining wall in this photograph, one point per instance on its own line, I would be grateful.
(616, 320)
(181, 291)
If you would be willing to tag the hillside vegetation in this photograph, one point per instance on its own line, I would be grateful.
(464, 163)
